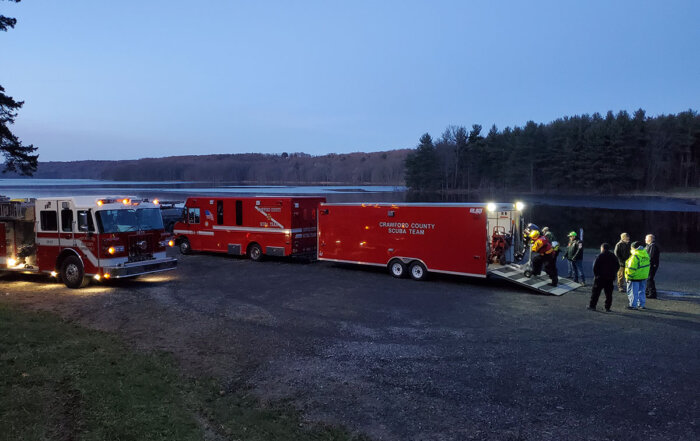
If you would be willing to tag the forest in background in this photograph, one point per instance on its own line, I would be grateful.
(381, 168)
(586, 154)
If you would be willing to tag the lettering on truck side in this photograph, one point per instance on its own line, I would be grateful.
(415, 228)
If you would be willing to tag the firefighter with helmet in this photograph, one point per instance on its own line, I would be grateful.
(543, 255)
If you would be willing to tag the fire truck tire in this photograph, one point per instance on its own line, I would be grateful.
(184, 246)
(73, 273)
(255, 252)
(397, 268)
(417, 270)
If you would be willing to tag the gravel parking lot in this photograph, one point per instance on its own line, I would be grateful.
(448, 359)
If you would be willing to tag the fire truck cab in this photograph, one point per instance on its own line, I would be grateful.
(83, 237)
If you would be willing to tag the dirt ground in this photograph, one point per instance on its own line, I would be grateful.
(448, 359)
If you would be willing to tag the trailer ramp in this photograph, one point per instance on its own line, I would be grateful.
(514, 273)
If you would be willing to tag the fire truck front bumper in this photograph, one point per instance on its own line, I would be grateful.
(134, 269)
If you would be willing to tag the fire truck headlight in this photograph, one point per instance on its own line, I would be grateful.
(491, 207)
(11, 262)
(54, 273)
(519, 206)
(111, 250)
(96, 277)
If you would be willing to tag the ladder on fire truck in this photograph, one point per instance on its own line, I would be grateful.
(515, 273)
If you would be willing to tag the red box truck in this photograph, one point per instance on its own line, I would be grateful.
(414, 238)
(252, 226)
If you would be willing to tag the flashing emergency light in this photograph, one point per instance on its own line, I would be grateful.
(126, 201)
(491, 207)
(155, 202)
(111, 250)
(107, 276)
(171, 243)
(100, 202)
(519, 206)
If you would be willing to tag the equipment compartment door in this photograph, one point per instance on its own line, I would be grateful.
(3, 241)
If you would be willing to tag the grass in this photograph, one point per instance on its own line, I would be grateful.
(60, 381)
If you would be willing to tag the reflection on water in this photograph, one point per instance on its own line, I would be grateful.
(674, 222)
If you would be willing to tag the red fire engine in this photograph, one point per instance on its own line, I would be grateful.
(252, 226)
(415, 239)
(83, 237)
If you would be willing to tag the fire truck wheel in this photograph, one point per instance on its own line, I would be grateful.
(417, 270)
(73, 273)
(397, 268)
(255, 252)
(185, 247)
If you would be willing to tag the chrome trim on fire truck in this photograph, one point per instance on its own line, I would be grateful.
(140, 268)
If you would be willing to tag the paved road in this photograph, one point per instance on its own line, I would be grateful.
(447, 359)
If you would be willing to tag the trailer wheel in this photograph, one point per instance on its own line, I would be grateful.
(73, 273)
(397, 268)
(255, 252)
(417, 270)
(184, 246)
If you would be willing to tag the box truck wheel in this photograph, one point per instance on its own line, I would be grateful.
(417, 270)
(397, 268)
(255, 252)
(184, 246)
(73, 273)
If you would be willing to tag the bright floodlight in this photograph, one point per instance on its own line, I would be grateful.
(519, 206)
(491, 206)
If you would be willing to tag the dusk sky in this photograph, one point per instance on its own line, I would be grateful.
(132, 79)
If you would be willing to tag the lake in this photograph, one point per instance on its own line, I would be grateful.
(675, 222)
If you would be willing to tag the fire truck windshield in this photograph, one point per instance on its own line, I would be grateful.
(131, 219)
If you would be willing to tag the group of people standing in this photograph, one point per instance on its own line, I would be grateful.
(634, 265)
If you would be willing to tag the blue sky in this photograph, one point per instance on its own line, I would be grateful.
(132, 79)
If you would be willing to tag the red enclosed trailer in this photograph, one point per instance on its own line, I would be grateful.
(252, 226)
(416, 238)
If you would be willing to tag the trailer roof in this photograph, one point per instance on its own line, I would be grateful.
(499, 205)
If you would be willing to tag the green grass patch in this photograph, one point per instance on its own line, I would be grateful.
(61, 381)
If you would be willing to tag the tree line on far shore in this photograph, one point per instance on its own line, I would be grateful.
(611, 154)
(384, 168)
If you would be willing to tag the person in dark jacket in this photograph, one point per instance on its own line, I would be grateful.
(604, 272)
(574, 254)
(622, 251)
(654, 252)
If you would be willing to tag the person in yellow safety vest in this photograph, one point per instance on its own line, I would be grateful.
(544, 257)
(636, 273)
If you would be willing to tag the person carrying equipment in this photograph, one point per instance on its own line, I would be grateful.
(544, 257)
